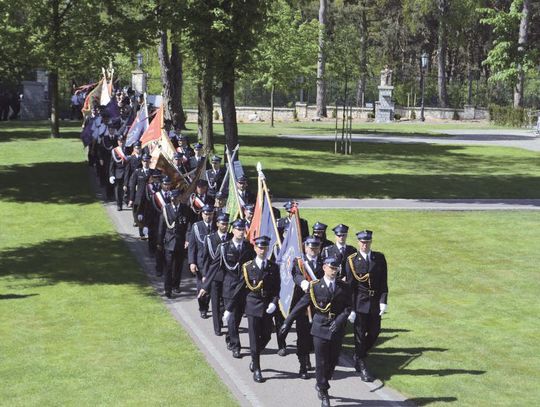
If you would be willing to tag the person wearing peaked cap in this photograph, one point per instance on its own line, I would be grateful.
(137, 186)
(180, 163)
(244, 194)
(198, 157)
(340, 250)
(319, 230)
(305, 268)
(215, 176)
(196, 251)
(232, 255)
(262, 282)
(220, 202)
(172, 236)
(134, 162)
(283, 223)
(331, 302)
(212, 251)
(183, 146)
(117, 171)
(367, 273)
(199, 198)
(166, 180)
(249, 210)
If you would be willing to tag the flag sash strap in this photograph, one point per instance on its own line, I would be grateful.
(307, 268)
(117, 151)
(159, 200)
(196, 203)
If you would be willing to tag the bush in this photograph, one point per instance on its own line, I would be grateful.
(334, 113)
(413, 114)
(397, 116)
(371, 115)
(295, 115)
(455, 116)
(507, 115)
(216, 115)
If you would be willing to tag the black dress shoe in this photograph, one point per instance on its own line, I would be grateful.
(325, 400)
(257, 376)
(176, 290)
(361, 368)
(229, 346)
(168, 295)
(282, 352)
(303, 373)
(204, 314)
(159, 274)
(119, 208)
(251, 367)
(218, 333)
(308, 364)
(236, 354)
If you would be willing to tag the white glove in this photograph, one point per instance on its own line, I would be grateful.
(225, 318)
(145, 231)
(111, 180)
(383, 308)
(271, 308)
(352, 317)
(139, 218)
(304, 285)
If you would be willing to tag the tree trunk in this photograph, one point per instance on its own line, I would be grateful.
(228, 108)
(171, 77)
(53, 94)
(321, 59)
(442, 45)
(522, 43)
(206, 109)
(362, 61)
(272, 106)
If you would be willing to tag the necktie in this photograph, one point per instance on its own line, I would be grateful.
(342, 250)
(223, 238)
(331, 287)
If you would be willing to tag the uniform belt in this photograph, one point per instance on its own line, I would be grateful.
(329, 315)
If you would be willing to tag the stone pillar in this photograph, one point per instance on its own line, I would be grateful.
(34, 105)
(139, 80)
(384, 108)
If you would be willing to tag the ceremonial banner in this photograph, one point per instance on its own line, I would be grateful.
(139, 126)
(92, 98)
(153, 132)
(291, 249)
(105, 96)
(233, 207)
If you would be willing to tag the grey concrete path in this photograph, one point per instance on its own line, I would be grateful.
(504, 137)
(282, 388)
(416, 204)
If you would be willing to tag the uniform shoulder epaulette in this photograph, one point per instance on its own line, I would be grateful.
(351, 256)
(325, 309)
(246, 277)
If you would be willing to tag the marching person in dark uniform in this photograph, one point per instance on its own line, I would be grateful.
(215, 175)
(319, 230)
(196, 252)
(180, 163)
(249, 211)
(137, 187)
(244, 194)
(262, 280)
(199, 198)
(306, 268)
(220, 202)
(283, 223)
(197, 157)
(233, 254)
(331, 301)
(173, 227)
(151, 208)
(183, 146)
(340, 250)
(212, 251)
(117, 171)
(134, 162)
(368, 276)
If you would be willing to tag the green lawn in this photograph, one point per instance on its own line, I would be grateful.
(462, 324)
(80, 326)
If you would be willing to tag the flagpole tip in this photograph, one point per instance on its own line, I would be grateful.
(259, 166)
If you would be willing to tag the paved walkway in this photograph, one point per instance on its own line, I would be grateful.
(282, 388)
(416, 204)
(504, 137)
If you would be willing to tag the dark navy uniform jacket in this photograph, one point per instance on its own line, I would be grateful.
(262, 287)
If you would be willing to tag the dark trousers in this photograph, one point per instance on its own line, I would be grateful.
(204, 300)
(260, 332)
(235, 318)
(326, 358)
(216, 293)
(135, 212)
(119, 192)
(278, 321)
(304, 343)
(366, 331)
(173, 263)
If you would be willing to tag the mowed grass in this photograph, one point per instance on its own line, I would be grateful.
(309, 168)
(80, 325)
(462, 324)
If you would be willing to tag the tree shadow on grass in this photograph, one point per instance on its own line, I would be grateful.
(99, 259)
(47, 182)
(291, 182)
(35, 130)
(416, 401)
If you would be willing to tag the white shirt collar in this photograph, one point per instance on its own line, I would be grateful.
(259, 262)
(311, 258)
(364, 255)
(220, 234)
(328, 281)
(339, 245)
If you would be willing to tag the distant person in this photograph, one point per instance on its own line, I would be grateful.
(15, 104)
(4, 105)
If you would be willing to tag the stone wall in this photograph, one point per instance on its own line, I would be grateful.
(307, 113)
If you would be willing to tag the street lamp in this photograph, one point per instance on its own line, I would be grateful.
(423, 62)
(139, 60)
